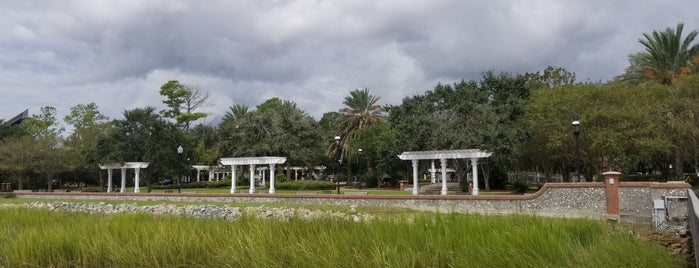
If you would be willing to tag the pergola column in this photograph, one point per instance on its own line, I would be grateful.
(263, 174)
(433, 172)
(252, 178)
(137, 187)
(271, 179)
(443, 161)
(211, 174)
(233, 179)
(198, 174)
(109, 180)
(415, 189)
(474, 164)
(123, 180)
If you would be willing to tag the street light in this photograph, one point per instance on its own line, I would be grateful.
(359, 170)
(576, 132)
(337, 162)
(180, 150)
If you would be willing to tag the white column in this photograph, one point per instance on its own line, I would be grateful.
(136, 187)
(123, 180)
(433, 173)
(262, 176)
(109, 180)
(198, 174)
(211, 173)
(415, 190)
(296, 174)
(443, 161)
(252, 178)
(233, 178)
(474, 163)
(271, 179)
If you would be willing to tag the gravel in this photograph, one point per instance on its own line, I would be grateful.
(201, 211)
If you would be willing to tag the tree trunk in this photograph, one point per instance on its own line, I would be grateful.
(50, 182)
(288, 171)
(486, 174)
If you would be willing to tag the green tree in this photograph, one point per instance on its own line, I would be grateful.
(361, 110)
(144, 136)
(276, 128)
(38, 153)
(183, 102)
(89, 126)
(667, 55)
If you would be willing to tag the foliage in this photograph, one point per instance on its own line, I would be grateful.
(466, 115)
(93, 189)
(183, 100)
(80, 147)
(8, 195)
(520, 187)
(361, 111)
(42, 238)
(667, 55)
(305, 185)
(144, 136)
(276, 128)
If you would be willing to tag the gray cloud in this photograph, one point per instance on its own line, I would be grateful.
(118, 53)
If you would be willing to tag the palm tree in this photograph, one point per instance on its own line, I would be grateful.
(667, 55)
(361, 111)
(236, 112)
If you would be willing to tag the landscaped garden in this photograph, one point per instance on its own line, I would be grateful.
(42, 238)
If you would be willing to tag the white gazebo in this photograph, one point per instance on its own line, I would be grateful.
(252, 161)
(473, 154)
(137, 166)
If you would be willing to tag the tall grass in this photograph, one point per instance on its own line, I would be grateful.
(39, 238)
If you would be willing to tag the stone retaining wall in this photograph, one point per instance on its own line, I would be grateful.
(586, 199)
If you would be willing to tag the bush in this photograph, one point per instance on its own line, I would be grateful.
(305, 185)
(520, 187)
(93, 189)
(9, 195)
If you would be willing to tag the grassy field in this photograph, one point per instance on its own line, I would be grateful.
(40, 238)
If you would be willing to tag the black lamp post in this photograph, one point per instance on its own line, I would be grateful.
(359, 169)
(337, 161)
(180, 150)
(576, 132)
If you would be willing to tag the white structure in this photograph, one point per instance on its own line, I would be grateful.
(252, 161)
(137, 166)
(199, 168)
(472, 154)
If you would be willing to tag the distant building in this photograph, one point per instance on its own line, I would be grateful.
(18, 118)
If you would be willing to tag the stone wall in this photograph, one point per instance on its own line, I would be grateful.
(586, 199)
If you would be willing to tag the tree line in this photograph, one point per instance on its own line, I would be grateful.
(644, 121)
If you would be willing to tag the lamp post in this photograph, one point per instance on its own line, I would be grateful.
(361, 180)
(576, 132)
(337, 162)
(180, 150)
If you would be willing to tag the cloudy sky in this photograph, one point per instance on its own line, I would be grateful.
(313, 52)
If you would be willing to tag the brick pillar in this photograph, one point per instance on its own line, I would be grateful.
(611, 186)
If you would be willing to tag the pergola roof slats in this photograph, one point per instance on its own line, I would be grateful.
(444, 154)
(253, 160)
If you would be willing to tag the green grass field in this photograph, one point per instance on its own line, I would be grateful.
(39, 238)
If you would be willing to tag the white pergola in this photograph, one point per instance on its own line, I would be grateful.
(473, 154)
(199, 168)
(252, 161)
(137, 166)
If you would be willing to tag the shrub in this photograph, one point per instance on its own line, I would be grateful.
(93, 189)
(9, 195)
(520, 187)
(305, 185)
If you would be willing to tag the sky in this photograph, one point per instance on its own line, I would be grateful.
(117, 54)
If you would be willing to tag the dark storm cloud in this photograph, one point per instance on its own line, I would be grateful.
(118, 53)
